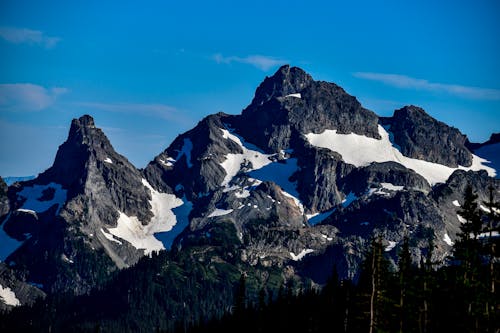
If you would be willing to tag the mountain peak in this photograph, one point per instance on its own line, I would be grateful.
(287, 80)
(84, 121)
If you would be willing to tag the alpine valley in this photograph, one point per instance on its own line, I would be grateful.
(291, 189)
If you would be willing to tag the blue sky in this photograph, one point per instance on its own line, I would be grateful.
(150, 70)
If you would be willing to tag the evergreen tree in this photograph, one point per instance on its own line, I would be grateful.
(492, 227)
(467, 251)
(405, 282)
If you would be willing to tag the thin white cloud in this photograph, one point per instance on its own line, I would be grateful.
(407, 82)
(261, 62)
(24, 97)
(28, 36)
(155, 109)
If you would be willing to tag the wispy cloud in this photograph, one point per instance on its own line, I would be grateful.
(407, 82)
(28, 97)
(263, 63)
(155, 109)
(28, 36)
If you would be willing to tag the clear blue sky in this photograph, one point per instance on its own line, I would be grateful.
(149, 70)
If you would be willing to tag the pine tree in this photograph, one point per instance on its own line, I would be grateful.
(405, 282)
(467, 250)
(492, 219)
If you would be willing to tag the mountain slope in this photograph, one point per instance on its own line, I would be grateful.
(85, 216)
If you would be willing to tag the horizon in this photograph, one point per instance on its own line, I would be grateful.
(149, 73)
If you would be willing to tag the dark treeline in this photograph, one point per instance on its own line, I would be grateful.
(460, 297)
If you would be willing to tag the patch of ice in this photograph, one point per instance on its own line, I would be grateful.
(461, 219)
(110, 237)
(392, 187)
(242, 194)
(455, 203)
(447, 239)
(487, 234)
(28, 211)
(233, 162)
(241, 206)
(484, 209)
(35, 192)
(296, 95)
(310, 216)
(360, 150)
(8, 296)
(220, 212)
(186, 149)
(169, 164)
(301, 255)
(255, 206)
(390, 246)
(108, 160)
(326, 237)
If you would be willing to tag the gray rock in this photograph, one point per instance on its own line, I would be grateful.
(423, 137)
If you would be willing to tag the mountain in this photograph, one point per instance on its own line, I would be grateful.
(296, 184)
(90, 213)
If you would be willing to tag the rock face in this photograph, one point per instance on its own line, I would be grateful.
(291, 103)
(420, 136)
(88, 214)
(15, 292)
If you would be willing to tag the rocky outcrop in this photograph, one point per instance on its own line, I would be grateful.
(420, 136)
(290, 104)
(66, 214)
(15, 291)
(193, 161)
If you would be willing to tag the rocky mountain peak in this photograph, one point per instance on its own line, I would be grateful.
(287, 80)
(421, 136)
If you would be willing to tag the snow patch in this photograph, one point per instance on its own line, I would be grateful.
(447, 239)
(140, 236)
(244, 193)
(28, 211)
(296, 95)
(8, 296)
(295, 200)
(390, 246)
(110, 237)
(461, 219)
(455, 203)
(34, 193)
(301, 255)
(108, 160)
(220, 212)
(487, 234)
(233, 162)
(360, 150)
(392, 187)
(316, 218)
